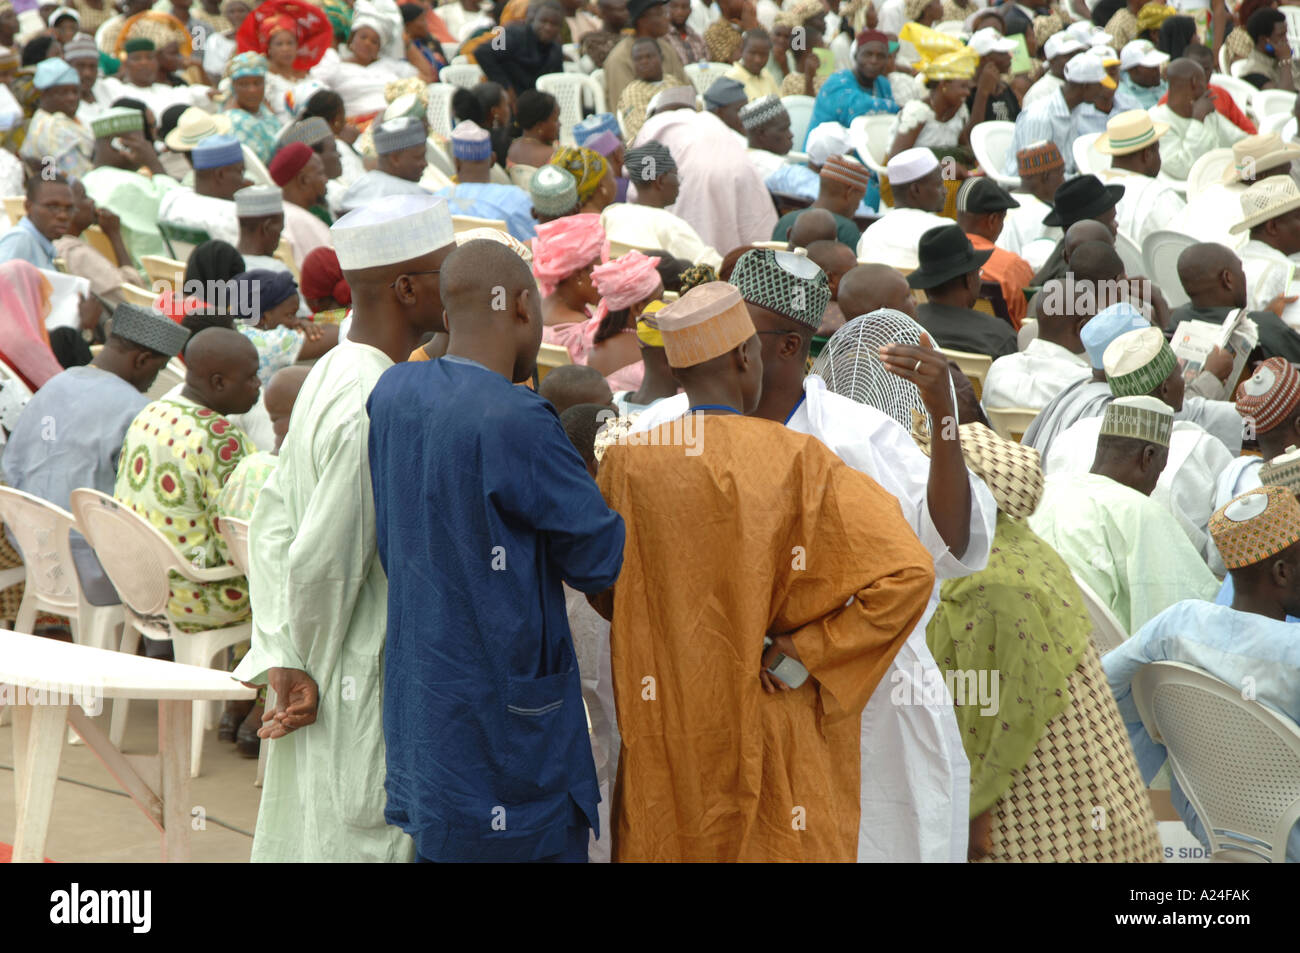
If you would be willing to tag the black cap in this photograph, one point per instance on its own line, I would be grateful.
(980, 194)
(1081, 198)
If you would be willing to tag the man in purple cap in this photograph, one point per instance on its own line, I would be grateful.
(476, 194)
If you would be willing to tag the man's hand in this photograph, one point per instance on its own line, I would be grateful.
(1219, 363)
(1279, 304)
(781, 645)
(108, 221)
(296, 700)
(927, 368)
(988, 79)
(1282, 52)
(1203, 107)
(981, 836)
(89, 310)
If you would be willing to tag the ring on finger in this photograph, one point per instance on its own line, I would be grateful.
(917, 369)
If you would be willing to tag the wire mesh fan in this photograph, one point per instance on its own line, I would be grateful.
(851, 366)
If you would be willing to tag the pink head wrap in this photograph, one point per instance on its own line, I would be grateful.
(567, 245)
(24, 305)
(625, 281)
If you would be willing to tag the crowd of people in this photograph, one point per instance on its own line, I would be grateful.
(640, 483)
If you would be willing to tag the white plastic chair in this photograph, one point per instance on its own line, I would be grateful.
(702, 75)
(1237, 761)
(1010, 423)
(1292, 15)
(52, 585)
(1160, 253)
(955, 28)
(171, 375)
(990, 141)
(14, 395)
(463, 223)
(598, 77)
(464, 75)
(870, 137)
(255, 168)
(800, 109)
(439, 111)
(1028, 332)
(569, 90)
(1240, 90)
(1207, 170)
(137, 559)
(1086, 158)
(1275, 122)
(1107, 633)
(1130, 254)
(1270, 102)
(1223, 61)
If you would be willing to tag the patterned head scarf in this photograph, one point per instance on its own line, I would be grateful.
(696, 275)
(1013, 472)
(914, 8)
(161, 28)
(273, 25)
(586, 167)
(339, 13)
(567, 245)
(246, 64)
(625, 281)
(805, 10)
(1152, 15)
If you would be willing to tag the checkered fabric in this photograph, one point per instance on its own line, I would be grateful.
(648, 162)
(791, 285)
(1125, 419)
(1013, 472)
(1283, 471)
(760, 112)
(1141, 365)
(1269, 395)
(1256, 525)
(1084, 761)
(1039, 157)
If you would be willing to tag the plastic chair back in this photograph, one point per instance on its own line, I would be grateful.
(800, 109)
(1086, 158)
(41, 529)
(464, 75)
(1107, 633)
(1160, 253)
(1237, 761)
(1010, 423)
(235, 533)
(990, 141)
(439, 111)
(135, 556)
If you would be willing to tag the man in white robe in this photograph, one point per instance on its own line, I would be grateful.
(1051, 362)
(315, 581)
(210, 206)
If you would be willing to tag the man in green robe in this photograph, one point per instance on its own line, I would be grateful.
(318, 591)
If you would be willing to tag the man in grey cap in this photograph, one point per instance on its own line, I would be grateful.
(70, 434)
(260, 211)
(400, 144)
(724, 98)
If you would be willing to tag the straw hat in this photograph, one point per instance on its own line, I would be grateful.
(1256, 154)
(194, 126)
(1129, 132)
(1267, 199)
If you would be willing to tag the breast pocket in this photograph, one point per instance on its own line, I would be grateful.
(540, 723)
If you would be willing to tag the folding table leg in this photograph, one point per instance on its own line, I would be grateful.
(40, 771)
(174, 749)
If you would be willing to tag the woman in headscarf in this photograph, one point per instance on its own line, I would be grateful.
(267, 305)
(527, 50)
(814, 62)
(1238, 42)
(564, 253)
(941, 121)
(596, 186)
(1151, 16)
(251, 121)
(423, 51)
(1047, 747)
(24, 306)
(361, 78)
(323, 286)
(626, 285)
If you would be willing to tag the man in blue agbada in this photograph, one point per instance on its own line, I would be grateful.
(483, 509)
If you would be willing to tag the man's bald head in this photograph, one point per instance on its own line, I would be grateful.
(813, 225)
(221, 371)
(1201, 267)
(834, 258)
(1182, 71)
(494, 311)
(868, 288)
(575, 384)
(1088, 230)
(1096, 261)
(279, 397)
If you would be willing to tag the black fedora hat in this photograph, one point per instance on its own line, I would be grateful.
(1082, 197)
(945, 253)
(637, 7)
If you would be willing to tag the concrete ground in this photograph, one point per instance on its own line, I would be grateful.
(94, 820)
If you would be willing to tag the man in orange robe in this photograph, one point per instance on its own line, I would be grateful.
(739, 529)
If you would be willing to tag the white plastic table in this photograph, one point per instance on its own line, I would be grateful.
(66, 673)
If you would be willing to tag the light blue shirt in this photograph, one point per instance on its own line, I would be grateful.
(1129, 95)
(25, 242)
(794, 179)
(508, 203)
(1229, 645)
